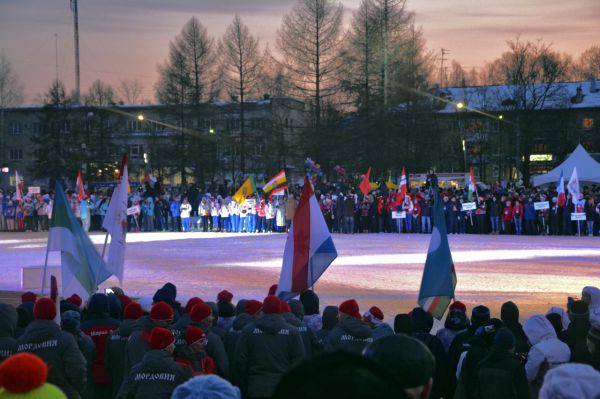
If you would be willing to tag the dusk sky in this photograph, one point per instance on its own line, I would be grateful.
(126, 39)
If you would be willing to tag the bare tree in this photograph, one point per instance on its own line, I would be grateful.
(241, 62)
(100, 94)
(458, 76)
(588, 64)
(131, 91)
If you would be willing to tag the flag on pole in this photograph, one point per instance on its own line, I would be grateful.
(82, 267)
(115, 224)
(309, 249)
(573, 186)
(277, 182)
(244, 191)
(54, 297)
(439, 276)
(472, 186)
(391, 185)
(79, 184)
(560, 189)
(402, 190)
(19, 187)
(365, 186)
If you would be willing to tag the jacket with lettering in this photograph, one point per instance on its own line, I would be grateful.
(98, 326)
(233, 335)
(138, 343)
(350, 334)
(114, 358)
(66, 364)
(156, 377)
(8, 326)
(266, 350)
(309, 338)
(215, 349)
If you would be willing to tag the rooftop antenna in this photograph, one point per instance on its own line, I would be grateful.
(442, 59)
(56, 53)
(76, 31)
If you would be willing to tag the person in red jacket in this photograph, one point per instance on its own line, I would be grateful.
(518, 217)
(416, 225)
(193, 355)
(507, 218)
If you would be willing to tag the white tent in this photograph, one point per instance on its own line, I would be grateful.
(588, 170)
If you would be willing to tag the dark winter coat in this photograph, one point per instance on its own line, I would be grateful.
(309, 339)
(114, 359)
(350, 334)
(576, 337)
(138, 343)
(66, 364)
(8, 326)
(266, 350)
(501, 376)
(156, 377)
(215, 349)
(233, 335)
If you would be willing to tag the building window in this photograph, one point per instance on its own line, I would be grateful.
(16, 128)
(136, 151)
(16, 154)
(587, 123)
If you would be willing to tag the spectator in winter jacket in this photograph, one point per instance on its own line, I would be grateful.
(157, 375)
(351, 333)
(25, 312)
(330, 320)
(8, 326)
(309, 339)
(456, 323)
(267, 348)
(312, 318)
(24, 376)
(500, 374)
(576, 335)
(408, 359)
(161, 315)
(168, 293)
(98, 325)
(179, 327)
(509, 313)
(479, 315)
(202, 316)
(233, 335)
(374, 319)
(571, 381)
(44, 338)
(546, 352)
(114, 360)
(402, 324)
(193, 354)
(226, 310)
(591, 295)
(70, 321)
(593, 340)
(209, 387)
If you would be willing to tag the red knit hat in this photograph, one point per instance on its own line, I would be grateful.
(28, 297)
(191, 302)
(160, 338)
(161, 311)
(350, 307)
(44, 309)
(273, 289)
(75, 300)
(200, 312)
(271, 305)
(125, 300)
(253, 306)
(225, 296)
(133, 311)
(285, 307)
(194, 334)
(458, 305)
(22, 373)
(374, 315)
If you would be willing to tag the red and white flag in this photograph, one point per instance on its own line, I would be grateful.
(309, 249)
(365, 185)
(573, 186)
(402, 188)
(560, 189)
(79, 184)
(19, 187)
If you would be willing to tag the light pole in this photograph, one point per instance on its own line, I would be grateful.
(460, 107)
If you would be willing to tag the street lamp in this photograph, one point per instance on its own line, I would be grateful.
(140, 117)
(460, 105)
(501, 117)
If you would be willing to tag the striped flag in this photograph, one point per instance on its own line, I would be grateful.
(18, 187)
(365, 186)
(82, 267)
(115, 223)
(309, 249)
(439, 276)
(560, 189)
(79, 184)
(277, 182)
(402, 190)
(472, 186)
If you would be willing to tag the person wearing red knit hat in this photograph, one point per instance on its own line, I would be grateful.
(202, 317)
(351, 334)
(458, 305)
(252, 309)
(267, 348)
(117, 342)
(226, 310)
(157, 375)
(161, 315)
(224, 296)
(57, 348)
(28, 297)
(193, 355)
(24, 376)
(374, 319)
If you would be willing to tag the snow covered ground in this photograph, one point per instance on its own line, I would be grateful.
(382, 269)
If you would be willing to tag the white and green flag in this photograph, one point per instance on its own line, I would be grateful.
(82, 267)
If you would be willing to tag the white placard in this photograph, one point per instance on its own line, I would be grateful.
(469, 206)
(133, 210)
(578, 216)
(250, 202)
(34, 190)
(399, 215)
(541, 206)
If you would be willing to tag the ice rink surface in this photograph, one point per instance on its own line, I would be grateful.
(383, 269)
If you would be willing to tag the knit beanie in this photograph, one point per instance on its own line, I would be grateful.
(253, 306)
(75, 300)
(206, 387)
(200, 312)
(310, 300)
(284, 307)
(350, 307)
(479, 315)
(579, 310)
(28, 297)
(240, 307)
(374, 315)
(224, 296)
(194, 334)
(458, 305)
(271, 305)
(191, 303)
(161, 311)
(504, 339)
(24, 376)
(44, 309)
(70, 321)
(226, 309)
(133, 311)
(160, 338)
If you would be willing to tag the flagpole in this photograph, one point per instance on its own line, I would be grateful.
(105, 242)
(45, 270)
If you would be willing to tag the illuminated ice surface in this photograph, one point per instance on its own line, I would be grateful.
(381, 269)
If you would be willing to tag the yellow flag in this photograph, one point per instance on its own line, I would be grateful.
(390, 185)
(244, 191)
